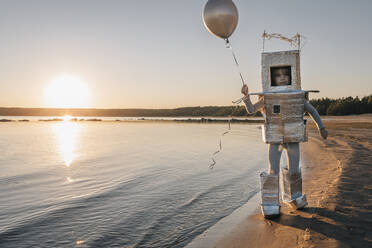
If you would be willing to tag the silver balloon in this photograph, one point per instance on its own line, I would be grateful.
(221, 17)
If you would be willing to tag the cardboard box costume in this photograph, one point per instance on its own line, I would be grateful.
(282, 103)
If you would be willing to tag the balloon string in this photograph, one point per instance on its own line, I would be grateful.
(213, 157)
(229, 46)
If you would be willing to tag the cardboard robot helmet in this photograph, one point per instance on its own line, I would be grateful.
(281, 71)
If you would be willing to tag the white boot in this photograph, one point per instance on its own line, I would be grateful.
(269, 195)
(292, 189)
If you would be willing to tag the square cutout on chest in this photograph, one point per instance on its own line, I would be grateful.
(276, 109)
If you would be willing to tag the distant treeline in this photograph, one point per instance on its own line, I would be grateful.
(177, 112)
(343, 106)
(325, 106)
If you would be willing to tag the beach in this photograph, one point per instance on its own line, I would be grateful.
(337, 181)
(110, 183)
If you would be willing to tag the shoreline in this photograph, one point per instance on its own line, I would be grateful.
(186, 120)
(230, 231)
(211, 236)
(364, 120)
(361, 120)
(333, 217)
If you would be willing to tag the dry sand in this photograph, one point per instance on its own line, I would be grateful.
(338, 183)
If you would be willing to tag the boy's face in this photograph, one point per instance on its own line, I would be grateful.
(281, 77)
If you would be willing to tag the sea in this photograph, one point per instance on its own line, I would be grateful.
(120, 183)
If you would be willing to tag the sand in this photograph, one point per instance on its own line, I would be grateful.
(338, 183)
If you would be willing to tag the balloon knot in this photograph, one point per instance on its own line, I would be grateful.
(227, 44)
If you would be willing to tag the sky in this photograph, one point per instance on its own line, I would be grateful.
(158, 54)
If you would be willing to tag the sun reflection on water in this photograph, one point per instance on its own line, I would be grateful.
(67, 118)
(67, 134)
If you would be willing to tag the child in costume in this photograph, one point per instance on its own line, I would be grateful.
(283, 104)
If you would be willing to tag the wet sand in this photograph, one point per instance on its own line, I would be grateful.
(338, 184)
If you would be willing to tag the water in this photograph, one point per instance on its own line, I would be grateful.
(109, 184)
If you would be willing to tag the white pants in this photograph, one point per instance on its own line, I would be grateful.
(293, 157)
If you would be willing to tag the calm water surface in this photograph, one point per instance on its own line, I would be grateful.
(107, 184)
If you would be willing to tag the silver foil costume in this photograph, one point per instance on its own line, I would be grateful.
(283, 104)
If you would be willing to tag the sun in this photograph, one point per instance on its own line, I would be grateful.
(67, 91)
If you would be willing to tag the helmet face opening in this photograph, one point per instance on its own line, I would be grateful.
(280, 76)
(281, 71)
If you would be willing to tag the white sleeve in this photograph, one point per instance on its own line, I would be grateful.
(314, 114)
(252, 108)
